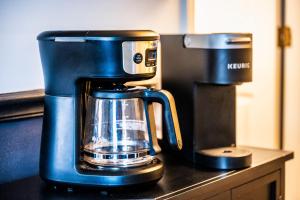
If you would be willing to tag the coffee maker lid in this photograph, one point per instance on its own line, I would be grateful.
(107, 35)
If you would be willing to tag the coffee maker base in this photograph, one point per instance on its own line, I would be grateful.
(108, 177)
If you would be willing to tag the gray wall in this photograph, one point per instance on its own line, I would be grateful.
(21, 21)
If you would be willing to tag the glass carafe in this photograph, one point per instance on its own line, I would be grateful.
(116, 132)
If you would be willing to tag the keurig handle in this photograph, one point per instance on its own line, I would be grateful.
(170, 114)
(155, 148)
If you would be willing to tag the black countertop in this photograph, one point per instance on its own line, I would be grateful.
(180, 181)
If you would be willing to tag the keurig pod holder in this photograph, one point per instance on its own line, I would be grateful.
(202, 71)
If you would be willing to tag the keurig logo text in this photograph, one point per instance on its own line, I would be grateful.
(238, 65)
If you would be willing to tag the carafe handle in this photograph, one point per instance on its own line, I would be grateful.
(170, 114)
(149, 110)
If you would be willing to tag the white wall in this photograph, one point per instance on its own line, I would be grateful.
(257, 103)
(257, 120)
(22, 21)
(292, 101)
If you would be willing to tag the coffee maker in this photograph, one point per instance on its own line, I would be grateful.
(202, 71)
(96, 130)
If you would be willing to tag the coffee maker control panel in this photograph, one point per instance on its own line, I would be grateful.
(139, 57)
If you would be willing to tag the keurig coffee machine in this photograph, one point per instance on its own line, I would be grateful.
(96, 130)
(202, 71)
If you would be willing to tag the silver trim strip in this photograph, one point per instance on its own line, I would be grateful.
(69, 39)
(218, 41)
(83, 39)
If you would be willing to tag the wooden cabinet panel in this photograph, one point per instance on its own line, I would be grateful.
(223, 196)
(265, 188)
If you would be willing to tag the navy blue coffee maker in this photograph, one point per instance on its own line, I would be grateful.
(96, 130)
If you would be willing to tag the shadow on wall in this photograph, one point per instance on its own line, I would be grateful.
(20, 148)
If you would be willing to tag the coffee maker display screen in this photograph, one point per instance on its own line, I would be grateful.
(151, 55)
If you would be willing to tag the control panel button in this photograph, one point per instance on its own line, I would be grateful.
(138, 58)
